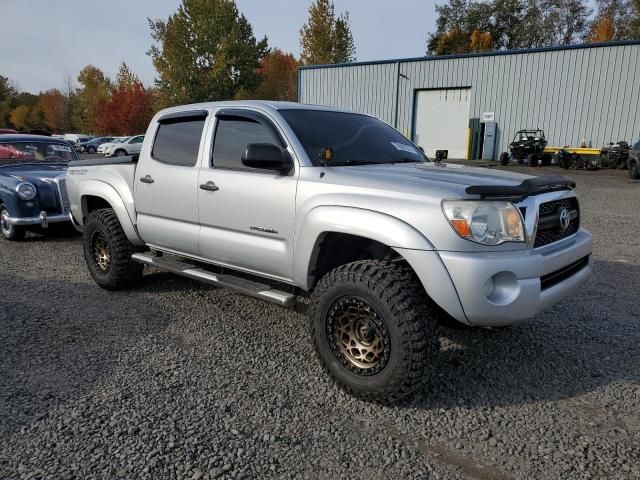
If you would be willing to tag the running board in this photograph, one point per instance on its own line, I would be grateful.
(242, 285)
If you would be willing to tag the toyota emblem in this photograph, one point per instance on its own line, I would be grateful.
(565, 218)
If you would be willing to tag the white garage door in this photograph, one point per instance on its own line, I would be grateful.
(442, 120)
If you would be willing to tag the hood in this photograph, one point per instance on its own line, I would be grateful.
(446, 177)
(30, 171)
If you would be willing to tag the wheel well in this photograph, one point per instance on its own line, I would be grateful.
(91, 203)
(334, 249)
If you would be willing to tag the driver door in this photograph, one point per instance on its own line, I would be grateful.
(246, 215)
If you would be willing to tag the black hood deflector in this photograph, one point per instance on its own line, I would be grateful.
(530, 186)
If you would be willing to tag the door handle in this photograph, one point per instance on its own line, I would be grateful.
(209, 187)
(147, 179)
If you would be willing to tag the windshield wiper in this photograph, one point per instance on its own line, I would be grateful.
(351, 163)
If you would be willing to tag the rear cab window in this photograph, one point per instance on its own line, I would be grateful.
(177, 140)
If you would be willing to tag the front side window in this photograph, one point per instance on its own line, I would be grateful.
(233, 134)
(349, 138)
(177, 141)
(137, 140)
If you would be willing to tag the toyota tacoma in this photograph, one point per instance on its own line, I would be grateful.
(282, 201)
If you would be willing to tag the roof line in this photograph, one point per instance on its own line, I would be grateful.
(472, 55)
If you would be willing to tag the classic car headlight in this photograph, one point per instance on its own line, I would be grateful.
(485, 222)
(26, 190)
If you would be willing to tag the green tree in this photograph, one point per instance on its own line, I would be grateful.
(205, 51)
(7, 94)
(325, 39)
(96, 87)
(573, 19)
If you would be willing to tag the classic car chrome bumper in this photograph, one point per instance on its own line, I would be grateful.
(43, 220)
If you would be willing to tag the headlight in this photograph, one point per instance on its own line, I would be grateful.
(486, 222)
(26, 190)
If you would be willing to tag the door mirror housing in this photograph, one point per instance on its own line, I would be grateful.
(266, 156)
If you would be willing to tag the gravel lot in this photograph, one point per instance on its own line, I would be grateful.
(180, 380)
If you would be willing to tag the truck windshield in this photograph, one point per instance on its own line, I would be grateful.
(38, 151)
(349, 138)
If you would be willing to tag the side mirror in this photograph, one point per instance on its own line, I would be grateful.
(266, 156)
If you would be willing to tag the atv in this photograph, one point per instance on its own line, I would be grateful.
(527, 147)
(615, 155)
(567, 159)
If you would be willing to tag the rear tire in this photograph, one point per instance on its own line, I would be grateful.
(120, 153)
(532, 160)
(91, 149)
(546, 159)
(107, 251)
(12, 233)
(634, 170)
(504, 159)
(373, 329)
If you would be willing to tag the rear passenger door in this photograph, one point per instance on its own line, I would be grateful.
(246, 215)
(165, 183)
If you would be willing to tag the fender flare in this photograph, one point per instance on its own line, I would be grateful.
(377, 226)
(97, 188)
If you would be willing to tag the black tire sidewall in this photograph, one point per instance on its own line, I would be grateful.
(93, 226)
(634, 171)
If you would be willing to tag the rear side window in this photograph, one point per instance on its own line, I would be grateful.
(178, 141)
(233, 134)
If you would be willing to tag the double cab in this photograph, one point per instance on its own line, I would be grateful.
(282, 201)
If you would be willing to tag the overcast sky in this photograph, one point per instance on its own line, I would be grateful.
(43, 41)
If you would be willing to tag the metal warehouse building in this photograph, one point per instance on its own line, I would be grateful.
(454, 103)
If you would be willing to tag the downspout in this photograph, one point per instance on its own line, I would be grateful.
(395, 118)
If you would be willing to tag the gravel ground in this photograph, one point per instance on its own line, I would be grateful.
(180, 380)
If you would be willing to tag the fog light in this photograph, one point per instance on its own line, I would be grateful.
(502, 288)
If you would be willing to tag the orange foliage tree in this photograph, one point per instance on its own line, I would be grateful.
(54, 106)
(127, 112)
(602, 30)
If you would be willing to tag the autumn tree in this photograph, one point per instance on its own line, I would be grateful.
(205, 51)
(278, 78)
(325, 38)
(54, 106)
(19, 117)
(129, 108)
(613, 21)
(481, 41)
(602, 30)
(95, 88)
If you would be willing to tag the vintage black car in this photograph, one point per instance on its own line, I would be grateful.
(527, 147)
(32, 183)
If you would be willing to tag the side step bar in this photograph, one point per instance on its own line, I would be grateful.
(242, 285)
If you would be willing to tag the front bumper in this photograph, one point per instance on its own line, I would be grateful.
(503, 288)
(43, 220)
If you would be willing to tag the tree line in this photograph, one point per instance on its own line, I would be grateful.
(205, 51)
(465, 26)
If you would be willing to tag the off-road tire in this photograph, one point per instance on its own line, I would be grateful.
(122, 271)
(13, 233)
(634, 170)
(504, 159)
(532, 160)
(396, 296)
(546, 159)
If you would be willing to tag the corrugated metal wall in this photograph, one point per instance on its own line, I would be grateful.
(572, 93)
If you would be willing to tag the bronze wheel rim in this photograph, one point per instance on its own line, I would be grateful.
(100, 252)
(358, 337)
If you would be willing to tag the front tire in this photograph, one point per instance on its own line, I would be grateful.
(12, 233)
(373, 329)
(91, 150)
(532, 160)
(504, 159)
(634, 170)
(120, 153)
(107, 251)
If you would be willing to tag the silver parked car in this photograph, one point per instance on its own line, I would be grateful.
(281, 200)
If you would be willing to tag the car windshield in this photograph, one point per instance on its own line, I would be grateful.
(349, 138)
(35, 151)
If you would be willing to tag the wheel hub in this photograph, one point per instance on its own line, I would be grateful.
(357, 335)
(101, 252)
(4, 223)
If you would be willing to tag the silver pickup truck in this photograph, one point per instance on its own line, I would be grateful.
(280, 201)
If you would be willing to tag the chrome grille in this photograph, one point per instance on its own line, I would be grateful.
(62, 194)
(549, 230)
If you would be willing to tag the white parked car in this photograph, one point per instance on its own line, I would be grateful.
(129, 146)
(102, 148)
(76, 137)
